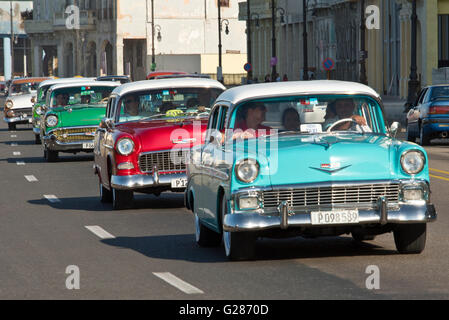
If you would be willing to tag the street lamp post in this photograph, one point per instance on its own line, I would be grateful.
(274, 10)
(413, 82)
(363, 55)
(248, 37)
(220, 22)
(305, 55)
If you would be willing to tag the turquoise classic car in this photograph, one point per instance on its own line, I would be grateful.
(73, 114)
(308, 159)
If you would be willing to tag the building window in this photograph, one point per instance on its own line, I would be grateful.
(224, 3)
(443, 40)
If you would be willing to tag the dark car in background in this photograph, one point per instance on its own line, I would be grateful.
(121, 79)
(428, 118)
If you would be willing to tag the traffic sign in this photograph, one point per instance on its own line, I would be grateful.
(328, 64)
(247, 67)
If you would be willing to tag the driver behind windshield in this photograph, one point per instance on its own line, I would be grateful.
(342, 109)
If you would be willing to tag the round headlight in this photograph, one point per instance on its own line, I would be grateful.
(413, 161)
(51, 121)
(125, 146)
(247, 170)
(9, 104)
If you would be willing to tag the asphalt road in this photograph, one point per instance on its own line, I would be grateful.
(52, 225)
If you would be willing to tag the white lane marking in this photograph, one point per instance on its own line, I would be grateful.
(52, 198)
(31, 178)
(16, 153)
(178, 283)
(13, 136)
(20, 163)
(14, 144)
(100, 232)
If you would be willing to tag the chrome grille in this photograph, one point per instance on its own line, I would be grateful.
(165, 161)
(73, 135)
(335, 195)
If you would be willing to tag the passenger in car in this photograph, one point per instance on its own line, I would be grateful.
(290, 120)
(250, 123)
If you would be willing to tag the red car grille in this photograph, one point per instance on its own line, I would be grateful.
(165, 161)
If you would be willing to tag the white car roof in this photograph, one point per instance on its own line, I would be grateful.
(286, 88)
(85, 83)
(64, 80)
(167, 83)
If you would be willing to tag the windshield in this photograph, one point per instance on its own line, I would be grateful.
(24, 87)
(91, 96)
(176, 103)
(42, 93)
(442, 91)
(309, 115)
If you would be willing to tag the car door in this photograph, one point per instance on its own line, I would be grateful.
(414, 113)
(215, 167)
(101, 147)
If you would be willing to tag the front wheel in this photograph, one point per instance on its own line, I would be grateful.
(37, 139)
(424, 138)
(238, 245)
(204, 236)
(410, 238)
(105, 194)
(122, 199)
(50, 155)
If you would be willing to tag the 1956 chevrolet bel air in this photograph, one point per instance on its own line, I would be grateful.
(309, 158)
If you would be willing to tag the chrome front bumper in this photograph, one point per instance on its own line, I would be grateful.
(18, 120)
(51, 143)
(141, 181)
(256, 222)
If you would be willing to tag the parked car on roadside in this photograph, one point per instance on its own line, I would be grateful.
(74, 112)
(149, 128)
(39, 108)
(263, 173)
(428, 118)
(154, 74)
(121, 79)
(20, 100)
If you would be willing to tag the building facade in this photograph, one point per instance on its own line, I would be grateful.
(13, 13)
(116, 37)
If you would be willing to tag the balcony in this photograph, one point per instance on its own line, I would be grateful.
(38, 26)
(88, 20)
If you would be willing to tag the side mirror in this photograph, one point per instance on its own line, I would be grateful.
(216, 138)
(394, 129)
(107, 124)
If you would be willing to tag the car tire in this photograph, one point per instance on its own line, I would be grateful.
(408, 136)
(50, 155)
(204, 236)
(105, 194)
(237, 245)
(122, 199)
(11, 126)
(37, 139)
(424, 139)
(410, 238)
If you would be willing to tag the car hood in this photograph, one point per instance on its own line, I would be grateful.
(79, 116)
(157, 135)
(21, 100)
(321, 158)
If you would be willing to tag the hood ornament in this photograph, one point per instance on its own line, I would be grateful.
(330, 167)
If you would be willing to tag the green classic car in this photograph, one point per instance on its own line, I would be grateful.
(74, 112)
(39, 107)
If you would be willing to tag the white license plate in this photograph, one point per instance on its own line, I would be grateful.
(179, 183)
(24, 115)
(335, 217)
(30, 120)
(88, 145)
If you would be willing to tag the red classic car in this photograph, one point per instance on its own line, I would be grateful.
(149, 128)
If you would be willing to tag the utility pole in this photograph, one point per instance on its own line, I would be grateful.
(413, 82)
(219, 69)
(273, 39)
(153, 57)
(248, 38)
(12, 39)
(363, 55)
